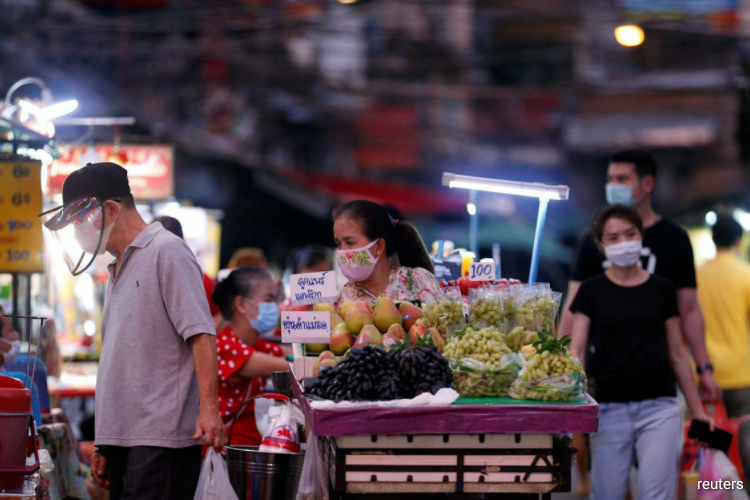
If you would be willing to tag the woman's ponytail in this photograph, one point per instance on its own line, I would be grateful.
(410, 248)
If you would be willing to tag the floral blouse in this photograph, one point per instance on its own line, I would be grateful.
(405, 283)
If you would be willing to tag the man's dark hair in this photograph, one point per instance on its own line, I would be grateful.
(644, 163)
(726, 232)
(615, 212)
(172, 225)
(126, 200)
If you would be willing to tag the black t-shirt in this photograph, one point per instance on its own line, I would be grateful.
(671, 256)
(629, 356)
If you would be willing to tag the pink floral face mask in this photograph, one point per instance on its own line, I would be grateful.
(357, 264)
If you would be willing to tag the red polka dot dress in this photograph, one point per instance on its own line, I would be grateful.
(233, 353)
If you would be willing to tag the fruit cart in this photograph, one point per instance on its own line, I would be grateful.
(484, 448)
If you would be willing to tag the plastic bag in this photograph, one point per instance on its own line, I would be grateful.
(473, 380)
(313, 481)
(214, 480)
(722, 420)
(492, 306)
(282, 434)
(537, 308)
(714, 466)
(558, 388)
(568, 382)
(446, 313)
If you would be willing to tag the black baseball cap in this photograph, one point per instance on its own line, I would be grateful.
(104, 181)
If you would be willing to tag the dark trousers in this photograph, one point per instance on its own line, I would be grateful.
(151, 473)
(737, 403)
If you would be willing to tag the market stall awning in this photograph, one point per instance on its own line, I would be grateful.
(411, 199)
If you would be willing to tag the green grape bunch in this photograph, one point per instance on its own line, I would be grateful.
(519, 337)
(486, 345)
(446, 315)
(538, 313)
(548, 357)
(486, 312)
(472, 379)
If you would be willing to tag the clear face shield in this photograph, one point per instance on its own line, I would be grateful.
(79, 228)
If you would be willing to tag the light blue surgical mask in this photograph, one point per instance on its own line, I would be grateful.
(268, 316)
(619, 194)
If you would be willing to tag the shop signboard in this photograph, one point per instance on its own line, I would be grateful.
(303, 327)
(150, 167)
(21, 239)
(313, 288)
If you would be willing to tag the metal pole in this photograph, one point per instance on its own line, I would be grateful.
(540, 220)
(14, 286)
(474, 225)
(27, 312)
(496, 258)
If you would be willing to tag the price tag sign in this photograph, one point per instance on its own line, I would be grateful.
(21, 239)
(482, 271)
(313, 288)
(305, 327)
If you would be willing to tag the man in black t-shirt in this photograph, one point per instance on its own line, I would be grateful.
(667, 252)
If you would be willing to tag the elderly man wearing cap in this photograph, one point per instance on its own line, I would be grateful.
(156, 390)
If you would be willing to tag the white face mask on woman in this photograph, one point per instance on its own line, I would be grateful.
(624, 254)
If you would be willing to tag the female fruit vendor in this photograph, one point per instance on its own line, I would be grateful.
(247, 300)
(380, 255)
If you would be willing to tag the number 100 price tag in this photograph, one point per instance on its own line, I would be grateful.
(482, 271)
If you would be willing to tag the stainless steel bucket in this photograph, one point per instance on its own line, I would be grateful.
(263, 476)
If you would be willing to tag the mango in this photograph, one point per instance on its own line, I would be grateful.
(358, 316)
(386, 314)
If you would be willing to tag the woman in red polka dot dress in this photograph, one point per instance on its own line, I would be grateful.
(248, 301)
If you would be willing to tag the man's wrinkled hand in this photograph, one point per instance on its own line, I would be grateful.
(99, 470)
(209, 429)
(710, 390)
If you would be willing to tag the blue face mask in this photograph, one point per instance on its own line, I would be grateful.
(619, 194)
(268, 316)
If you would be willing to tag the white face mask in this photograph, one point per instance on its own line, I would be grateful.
(624, 254)
(89, 241)
(82, 230)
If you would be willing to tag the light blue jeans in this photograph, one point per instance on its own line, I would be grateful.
(649, 431)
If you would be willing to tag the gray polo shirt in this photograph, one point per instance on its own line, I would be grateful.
(146, 391)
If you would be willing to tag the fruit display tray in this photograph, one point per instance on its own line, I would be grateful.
(516, 418)
(464, 466)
